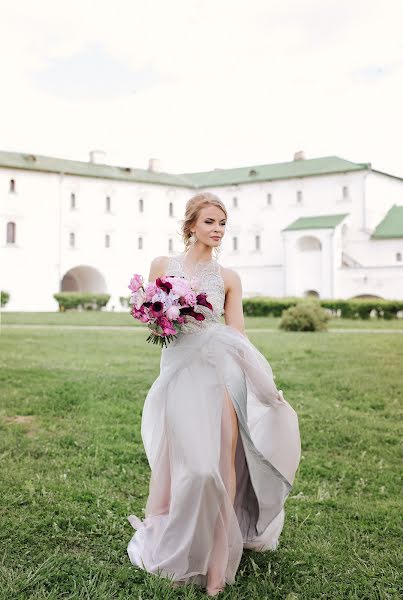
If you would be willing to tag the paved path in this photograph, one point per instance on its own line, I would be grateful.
(145, 329)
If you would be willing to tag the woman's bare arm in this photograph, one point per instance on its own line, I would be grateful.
(233, 308)
(157, 267)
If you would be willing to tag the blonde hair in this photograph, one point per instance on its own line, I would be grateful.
(192, 211)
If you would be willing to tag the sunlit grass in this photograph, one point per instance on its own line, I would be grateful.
(73, 465)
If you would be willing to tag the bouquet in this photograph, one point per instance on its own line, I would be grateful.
(165, 305)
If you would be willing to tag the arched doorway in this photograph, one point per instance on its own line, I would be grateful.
(83, 279)
(311, 294)
(309, 266)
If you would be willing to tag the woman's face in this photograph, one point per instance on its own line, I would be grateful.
(210, 225)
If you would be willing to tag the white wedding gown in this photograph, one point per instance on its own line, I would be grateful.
(191, 524)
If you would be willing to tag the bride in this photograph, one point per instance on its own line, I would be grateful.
(222, 442)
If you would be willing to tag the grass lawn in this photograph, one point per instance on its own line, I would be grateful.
(121, 319)
(73, 465)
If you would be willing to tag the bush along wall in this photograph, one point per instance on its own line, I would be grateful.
(80, 301)
(261, 306)
(5, 297)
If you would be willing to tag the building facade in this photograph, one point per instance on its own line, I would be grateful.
(325, 226)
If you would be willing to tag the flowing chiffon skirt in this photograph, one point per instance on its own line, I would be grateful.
(191, 524)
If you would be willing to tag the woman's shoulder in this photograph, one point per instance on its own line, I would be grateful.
(231, 277)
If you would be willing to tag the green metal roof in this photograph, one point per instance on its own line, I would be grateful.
(391, 225)
(217, 177)
(316, 222)
(286, 170)
(36, 162)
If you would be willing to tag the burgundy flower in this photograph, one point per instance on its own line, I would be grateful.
(202, 300)
(188, 310)
(163, 285)
(156, 308)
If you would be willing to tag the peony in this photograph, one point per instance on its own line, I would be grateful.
(190, 298)
(180, 287)
(138, 298)
(136, 283)
(173, 312)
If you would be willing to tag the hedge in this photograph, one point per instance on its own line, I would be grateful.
(261, 306)
(5, 297)
(80, 300)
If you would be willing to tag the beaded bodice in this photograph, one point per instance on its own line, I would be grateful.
(210, 281)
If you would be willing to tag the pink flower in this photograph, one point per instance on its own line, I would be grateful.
(190, 298)
(180, 287)
(151, 289)
(173, 312)
(167, 326)
(135, 283)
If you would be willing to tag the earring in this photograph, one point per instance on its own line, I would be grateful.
(193, 238)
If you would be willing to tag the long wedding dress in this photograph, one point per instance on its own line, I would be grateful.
(192, 529)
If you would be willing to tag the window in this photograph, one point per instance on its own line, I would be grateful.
(235, 202)
(72, 240)
(12, 186)
(140, 243)
(235, 243)
(345, 192)
(10, 233)
(72, 201)
(398, 256)
(141, 205)
(257, 242)
(107, 240)
(171, 209)
(108, 204)
(170, 245)
(269, 199)
(299, 197)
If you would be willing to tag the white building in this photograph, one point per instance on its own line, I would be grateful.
(326, 226)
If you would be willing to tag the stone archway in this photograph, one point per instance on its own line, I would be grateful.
(311, 294)
(309, 266)
(83, 279)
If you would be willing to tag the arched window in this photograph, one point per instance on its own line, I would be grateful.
(72, 239)
(108, 204)
(107, 240)
(170, 245)
(257, 242)
(140, 243)
(12, 186)
(72, 200)
(235, 202)
(309, 242)
(10, 232)
(299, 197)
(171, 209)
(398, 256)
(345, 192)
(141, 205)
(269, 199)
(235, 243)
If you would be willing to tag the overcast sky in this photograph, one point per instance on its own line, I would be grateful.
(203, 84)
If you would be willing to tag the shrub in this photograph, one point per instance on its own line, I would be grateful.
(261, 306)
(5, 297)
(80, 300)
(307, 315)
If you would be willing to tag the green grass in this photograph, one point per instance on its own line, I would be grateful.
(73, 466)
(123, 319)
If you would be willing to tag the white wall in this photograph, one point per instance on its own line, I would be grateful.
(33, 269)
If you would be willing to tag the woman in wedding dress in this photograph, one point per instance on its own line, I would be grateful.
(222, 442)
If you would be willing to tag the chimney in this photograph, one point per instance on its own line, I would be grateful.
(98, 156)
(300, 155)
(154, 164)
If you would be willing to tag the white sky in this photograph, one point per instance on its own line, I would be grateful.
(203, 84)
